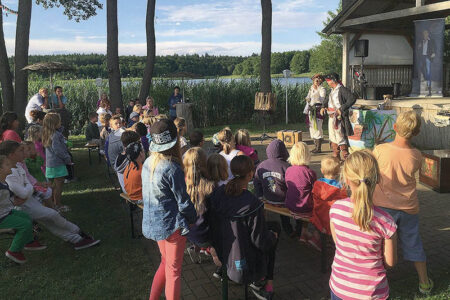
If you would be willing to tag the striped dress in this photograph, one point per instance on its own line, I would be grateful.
(358, 271)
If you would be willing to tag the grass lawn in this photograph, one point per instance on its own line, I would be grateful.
(118, 268)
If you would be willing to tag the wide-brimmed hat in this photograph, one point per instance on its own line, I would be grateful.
(164, 135)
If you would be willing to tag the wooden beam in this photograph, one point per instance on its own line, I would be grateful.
(407, 12)
(345, 16)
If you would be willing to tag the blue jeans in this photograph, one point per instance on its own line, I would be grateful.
(333, 296)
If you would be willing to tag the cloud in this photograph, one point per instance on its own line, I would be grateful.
(53, 46)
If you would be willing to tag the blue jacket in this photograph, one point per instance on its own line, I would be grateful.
(57, 153)
(167, 205)
(173, 100)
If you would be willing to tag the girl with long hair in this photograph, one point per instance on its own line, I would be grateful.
(217, 169)
(57, 156)
(244, 144)
(229, 150)
(181, 125)
(168, 210)
(365, 235)
(9, 124)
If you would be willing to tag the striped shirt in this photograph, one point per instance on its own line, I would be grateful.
(358, 271)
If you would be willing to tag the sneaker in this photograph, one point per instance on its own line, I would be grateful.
(193, 255)
(426, 288)
(17, 257)
(263, 294)
(315, 243)
(34, 246)
(85, 243)
(218, 273)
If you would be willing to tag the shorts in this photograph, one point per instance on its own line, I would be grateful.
(408, 234)
(56, 172)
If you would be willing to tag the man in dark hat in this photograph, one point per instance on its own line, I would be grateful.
(337, 106)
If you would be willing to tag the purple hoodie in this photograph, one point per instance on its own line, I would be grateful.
(300, 181)
(269, 179)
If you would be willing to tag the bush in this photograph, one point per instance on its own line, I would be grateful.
(215, 101)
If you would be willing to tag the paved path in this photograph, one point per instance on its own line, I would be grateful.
(297, 268)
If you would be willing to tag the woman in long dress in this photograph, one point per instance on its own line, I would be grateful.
(314, 102)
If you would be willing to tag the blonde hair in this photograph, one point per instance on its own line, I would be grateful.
(52, 122)
(408, 124)
(217, 167)
(242, 137)
(197, 185)
(180, 123)
(226, 138)
(361, 169)
(41, 90)
(299, 155)
(149, 121)
(172, 154)
(137, 108)
(330, 165)
(34, 133)
(161, 117)
(104, 119)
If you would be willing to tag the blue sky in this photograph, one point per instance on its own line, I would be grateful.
(182, 26)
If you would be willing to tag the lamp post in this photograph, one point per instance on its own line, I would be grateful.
(99, 83)
(286, 74)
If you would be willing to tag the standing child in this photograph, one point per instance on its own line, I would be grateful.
(244, 144)
(113, 145)
(106, 129)
(229, 151)
(180, 123)
(396, 193)
(17, 220)
(300, 180)
(325, 192)
(57, 157)
(240, 235)
(168, 211)
(364, 235)
(217, 169)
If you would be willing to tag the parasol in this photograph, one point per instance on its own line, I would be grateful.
(183, 75)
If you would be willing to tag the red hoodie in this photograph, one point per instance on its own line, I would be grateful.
(325, 193)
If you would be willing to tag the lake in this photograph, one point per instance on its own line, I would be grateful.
(282, 81)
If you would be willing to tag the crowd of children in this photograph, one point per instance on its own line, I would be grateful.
(187, 195)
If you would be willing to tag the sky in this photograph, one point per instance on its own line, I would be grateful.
(230, 27)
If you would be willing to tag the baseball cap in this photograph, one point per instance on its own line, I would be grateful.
(133, 115)
(164, 135)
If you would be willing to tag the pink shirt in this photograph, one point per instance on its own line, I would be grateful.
(11, 135)
(358, 271)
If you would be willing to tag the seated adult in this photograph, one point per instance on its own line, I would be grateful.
(58, 100)
(37, 102)
(9, 125)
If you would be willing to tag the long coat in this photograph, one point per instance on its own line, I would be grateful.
(346, 99)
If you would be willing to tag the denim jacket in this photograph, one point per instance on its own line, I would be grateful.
(167, 205)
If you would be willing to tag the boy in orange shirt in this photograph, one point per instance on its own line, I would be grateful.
(396, 191)
(132, 174)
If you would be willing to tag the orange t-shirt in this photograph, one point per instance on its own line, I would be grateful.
(397, 187)
(133, 182)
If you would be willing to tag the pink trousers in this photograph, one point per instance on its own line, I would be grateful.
(168, 275)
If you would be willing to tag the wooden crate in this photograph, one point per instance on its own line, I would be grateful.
(435, 170)
(289, 137)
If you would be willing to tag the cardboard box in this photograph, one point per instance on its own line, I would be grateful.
(289, 137)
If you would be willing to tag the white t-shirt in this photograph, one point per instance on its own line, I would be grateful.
(228, 158)
(101, 111)
(34, 104)
(334, 100)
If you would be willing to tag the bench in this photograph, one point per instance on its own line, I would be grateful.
(93, 147)
(304, 218)
(132, 205)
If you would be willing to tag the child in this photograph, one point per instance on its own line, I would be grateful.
(92, 131)
(35, 136)
(104, 108)
(229, 150)
(132, 174)
(180, 123)
(364, 235)
(168, 211)
(17, 220)
(20, 185)
(141, 130)
(129, 109)
(217, 169)
(122, 162)
(9, 124)
(239, 232)
(57, 156)
(270, 181)
(134, 118)
(244, 144)
(396, 193)
(299, 181)
(113, 145)
(196, 139)
(325, 192)
(150, 107)
(106, 130)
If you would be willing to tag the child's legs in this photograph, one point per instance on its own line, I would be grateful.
(275, 227)
(57, 190)
(21, 223)
(159, 280)
(52, 221)
(410, 241)
(175, 245)
(286, 224)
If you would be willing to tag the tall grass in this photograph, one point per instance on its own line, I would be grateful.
(215, 102)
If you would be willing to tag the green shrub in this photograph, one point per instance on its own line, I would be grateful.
(216, 101)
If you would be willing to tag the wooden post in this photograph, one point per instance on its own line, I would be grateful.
(419, 3)
(345, 56)
(184, 110)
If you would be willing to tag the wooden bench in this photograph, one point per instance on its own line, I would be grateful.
(132, 205)
(304, 218)
(93, 147)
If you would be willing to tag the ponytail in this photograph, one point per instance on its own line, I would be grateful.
(226, 138)
(240, 166)
(363, 206)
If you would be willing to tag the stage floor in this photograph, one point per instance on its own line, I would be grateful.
(433, 103)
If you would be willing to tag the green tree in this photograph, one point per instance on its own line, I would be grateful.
(300, 62)
(278, 63)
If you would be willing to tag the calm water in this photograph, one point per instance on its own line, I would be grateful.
(290, 81)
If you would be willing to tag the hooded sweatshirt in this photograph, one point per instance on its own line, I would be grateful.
(325, 193)
(300, 181)
(269, 179)
(239, 234)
